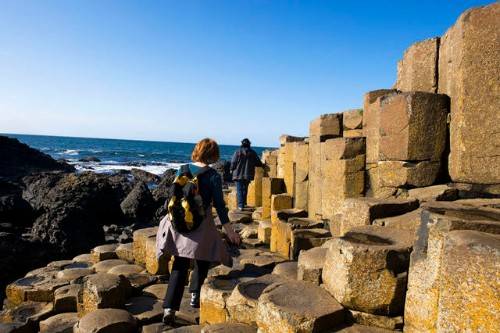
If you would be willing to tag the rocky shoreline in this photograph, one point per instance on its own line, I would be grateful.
(48, 211)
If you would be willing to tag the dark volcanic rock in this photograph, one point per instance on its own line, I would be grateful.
(89, 159)
(13, 208)
(139, 205)
(72, 209)
(224, 169)
(19, 160)
(161, 194)
(144, 176)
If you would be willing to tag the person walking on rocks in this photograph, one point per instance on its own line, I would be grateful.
(189, 232)
(243, 166)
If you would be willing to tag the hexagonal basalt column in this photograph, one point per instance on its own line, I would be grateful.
(366, 270)
(242, 304)
(310, 265)
(297, 306)
(107, 321)
(139, 244)
(214, 293)
(103, 290)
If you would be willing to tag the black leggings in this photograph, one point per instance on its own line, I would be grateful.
(178, 279)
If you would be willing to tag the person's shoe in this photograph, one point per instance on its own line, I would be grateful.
(195, 300)
(168, 316)
(240, 209)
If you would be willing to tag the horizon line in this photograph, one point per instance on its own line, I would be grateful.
(120, 139)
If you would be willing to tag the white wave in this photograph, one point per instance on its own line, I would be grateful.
(71, 152)
(109, 168)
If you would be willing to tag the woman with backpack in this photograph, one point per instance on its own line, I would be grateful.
(188, 231)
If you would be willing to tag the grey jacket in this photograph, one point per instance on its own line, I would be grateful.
(243, 164)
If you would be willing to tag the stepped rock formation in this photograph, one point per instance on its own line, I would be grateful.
(356, 228)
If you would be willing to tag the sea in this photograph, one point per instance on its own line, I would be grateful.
(111, 155)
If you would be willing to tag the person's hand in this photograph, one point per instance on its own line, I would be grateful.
(231, 234)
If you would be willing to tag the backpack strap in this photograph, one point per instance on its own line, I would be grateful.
(201, 171)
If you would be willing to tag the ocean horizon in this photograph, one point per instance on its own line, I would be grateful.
(105, 155)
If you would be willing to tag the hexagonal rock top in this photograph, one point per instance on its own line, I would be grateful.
(104, 252)
(287, 270)
(126, 270)
(362, 329)
(214, 294)
(156, 290)
(186, 329)
(297, 306)
(105, 265)
(107, 321)
(229, 328)
(145, 309)
(103, 290)
(70, 274)
(262, 259)
(366, 270)
(38, 288)
(242, 304)
(60, 323)
(85, 257)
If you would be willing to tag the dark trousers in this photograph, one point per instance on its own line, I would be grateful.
(178, 278)
(241, 192)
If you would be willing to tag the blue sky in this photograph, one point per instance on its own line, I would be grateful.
(182, 70)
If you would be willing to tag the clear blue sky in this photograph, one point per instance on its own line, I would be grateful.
(181, 70)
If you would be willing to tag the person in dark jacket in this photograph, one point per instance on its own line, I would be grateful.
(243, 166)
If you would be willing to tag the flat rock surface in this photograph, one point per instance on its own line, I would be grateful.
(107, 321)
(105, 265)
(145, 309)
(60, 323)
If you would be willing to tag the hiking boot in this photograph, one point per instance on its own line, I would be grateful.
(168, 316)
(195, 300)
